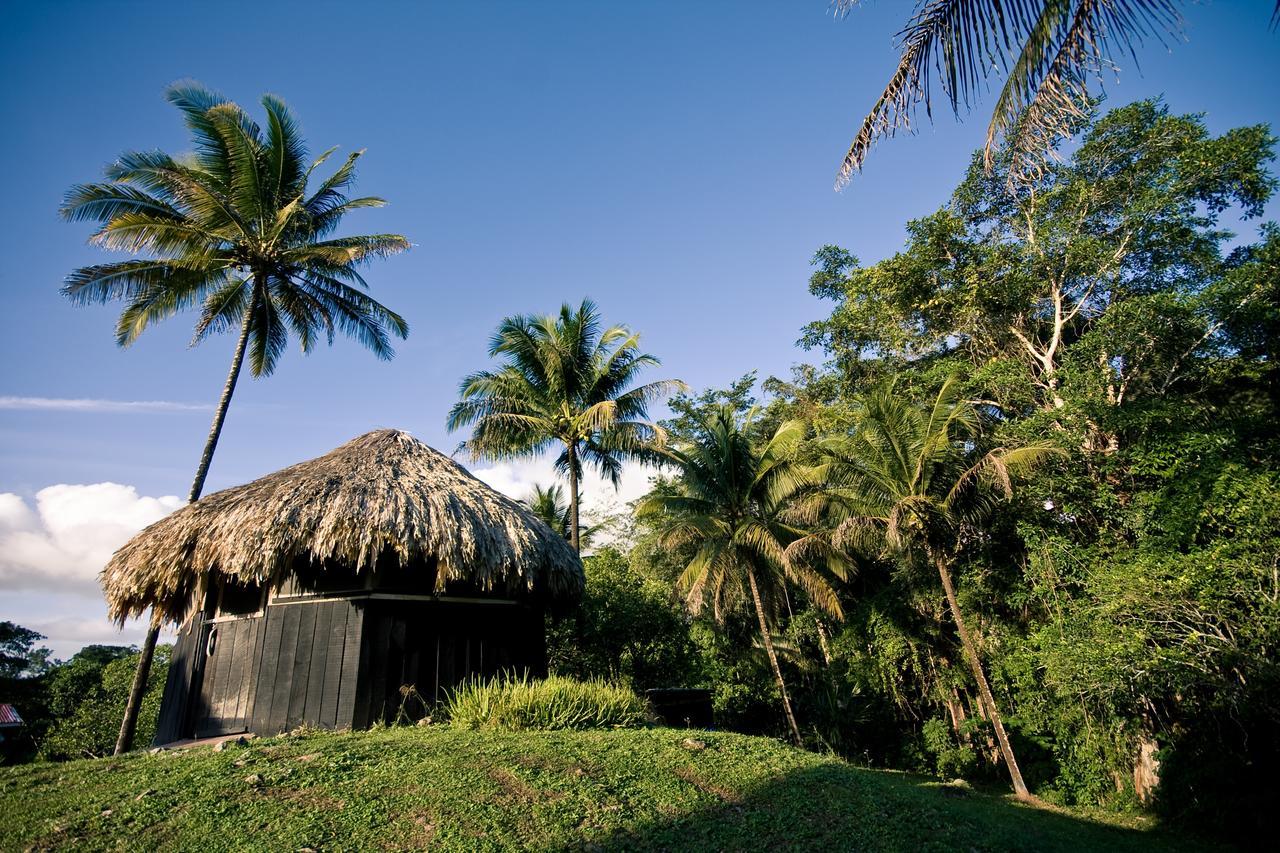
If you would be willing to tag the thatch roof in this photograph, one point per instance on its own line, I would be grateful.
(384, 494)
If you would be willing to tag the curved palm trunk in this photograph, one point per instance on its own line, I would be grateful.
(773, 658)
(984, 689)
(129, 725)
(573, 498)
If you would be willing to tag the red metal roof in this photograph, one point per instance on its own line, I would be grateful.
(9, 716)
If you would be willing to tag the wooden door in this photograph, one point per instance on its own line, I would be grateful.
(225, 701)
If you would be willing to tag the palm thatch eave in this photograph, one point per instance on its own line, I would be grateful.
(382, 495)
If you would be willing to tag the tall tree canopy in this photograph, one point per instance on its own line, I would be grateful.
(565, 383)
(1127, 227)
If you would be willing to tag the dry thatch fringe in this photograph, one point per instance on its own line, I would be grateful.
(382, 493)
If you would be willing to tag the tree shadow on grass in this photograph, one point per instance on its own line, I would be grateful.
(840, 807)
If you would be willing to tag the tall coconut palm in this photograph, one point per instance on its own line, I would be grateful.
(564, 383)
(906, 485)
(731, 505)
(1049, 51)
(233, 231)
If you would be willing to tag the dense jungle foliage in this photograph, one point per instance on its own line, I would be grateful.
(1126, 600)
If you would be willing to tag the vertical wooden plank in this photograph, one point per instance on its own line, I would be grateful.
(228, 633)
(279, 717)
(174, 702)
(272, 635)
(301, 664)
(536, 630)
(436, 643)
(333, 664)
(248, 657)
(213, 687)
(397, 665)
(448, 662)
(319, 661)
(378, 646)
(251, 681)
(412, 654)
(352, 674)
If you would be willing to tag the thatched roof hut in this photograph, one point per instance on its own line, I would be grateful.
(321, 593)
(382, 495)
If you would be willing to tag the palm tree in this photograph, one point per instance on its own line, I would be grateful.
(233, 231)
(1057, 47)
(907, 484)
(564, 383)
(731, 504)
(550, 505)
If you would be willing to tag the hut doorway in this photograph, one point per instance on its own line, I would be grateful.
(225, 700)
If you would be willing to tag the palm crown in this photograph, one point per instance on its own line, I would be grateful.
(733, 504)
(906, 481)
(564, 383)
(550, 505)
(233, 229)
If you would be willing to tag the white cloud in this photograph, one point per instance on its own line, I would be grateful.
(517, 479)
(68, 404)
(66, 540)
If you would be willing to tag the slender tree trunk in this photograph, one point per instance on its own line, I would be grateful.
(824, 644)
(573, 497)
(215, 430)
(773, 657)
(129, 724)
(984, 690)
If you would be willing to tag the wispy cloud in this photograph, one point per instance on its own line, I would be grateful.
(68, 404)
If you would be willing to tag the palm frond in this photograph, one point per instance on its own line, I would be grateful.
(1058, 44)
(1047, 92)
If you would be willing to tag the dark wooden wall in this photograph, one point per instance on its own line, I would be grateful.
(308, 670)
(172, 723)
(434, 646)
(340, 662)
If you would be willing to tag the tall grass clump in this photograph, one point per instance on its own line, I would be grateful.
(523, 704)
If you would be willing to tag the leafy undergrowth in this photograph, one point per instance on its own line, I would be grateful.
(463, 790)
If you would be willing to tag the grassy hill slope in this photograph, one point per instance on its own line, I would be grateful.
(413, 787)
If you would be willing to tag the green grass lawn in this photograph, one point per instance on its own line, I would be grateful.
(457, 790)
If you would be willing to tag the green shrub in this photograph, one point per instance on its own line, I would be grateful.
(523, 704)
(952, 759)
(626, 629)
(87, 699)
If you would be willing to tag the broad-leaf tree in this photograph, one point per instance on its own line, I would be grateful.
(907, 485)
(731, 502)
(236, 232)
(564, 383)
(1021, 273)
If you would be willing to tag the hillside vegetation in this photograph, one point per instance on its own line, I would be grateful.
(465, 790)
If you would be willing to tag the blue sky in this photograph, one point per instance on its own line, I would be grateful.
(674, 161)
